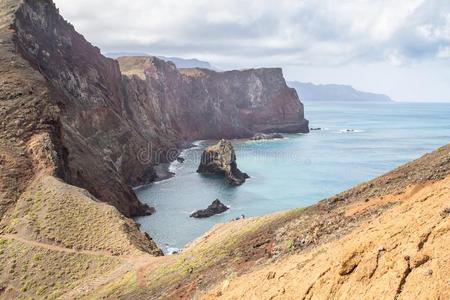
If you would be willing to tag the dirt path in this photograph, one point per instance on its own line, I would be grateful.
(130, 264)
(90, 285)
(56, 248)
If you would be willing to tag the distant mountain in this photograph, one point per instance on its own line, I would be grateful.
(334, 92)
(188, 63)
(179, 62)
(119, 54)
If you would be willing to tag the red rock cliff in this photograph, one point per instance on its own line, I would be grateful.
(203, 104)
(102, 127)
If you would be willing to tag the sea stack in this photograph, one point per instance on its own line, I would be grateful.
(220, 159)
(215, 208)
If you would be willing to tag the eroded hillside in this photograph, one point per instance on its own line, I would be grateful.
(72, 131)
(387, 238)
(71, 125)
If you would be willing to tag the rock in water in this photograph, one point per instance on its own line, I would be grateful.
(268, 136)
(220, 159)
(215, 208)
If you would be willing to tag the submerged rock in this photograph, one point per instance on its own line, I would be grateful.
(215, 208)
(267, 136)
(220, 159)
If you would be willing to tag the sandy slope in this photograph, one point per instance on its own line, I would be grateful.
(402, 254)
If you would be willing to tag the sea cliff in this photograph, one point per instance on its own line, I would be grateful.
(108, 124)
(71, 124)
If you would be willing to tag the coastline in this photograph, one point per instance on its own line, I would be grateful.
(167, 171)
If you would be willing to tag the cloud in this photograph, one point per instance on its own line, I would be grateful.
(256, 32)
(443, 52)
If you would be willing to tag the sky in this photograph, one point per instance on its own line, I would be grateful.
(397, 47)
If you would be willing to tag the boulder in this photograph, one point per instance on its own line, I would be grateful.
(220, 159)
(215, 208)
(267, 136)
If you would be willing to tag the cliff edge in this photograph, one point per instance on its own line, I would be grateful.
(205, 104)
(107, 131)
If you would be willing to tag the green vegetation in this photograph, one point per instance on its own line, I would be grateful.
(35, 271)
(223, 245)
(57, 213)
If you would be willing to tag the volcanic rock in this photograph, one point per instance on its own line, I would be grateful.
(215, 208)
(267, 136)
(110, 123)
(220, 159)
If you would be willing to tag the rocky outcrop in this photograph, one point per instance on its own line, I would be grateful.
(108, 127)
(220, 159)
(215, 208)
(93, 135)
(268, 136)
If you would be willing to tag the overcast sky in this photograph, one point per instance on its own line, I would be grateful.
(397, 47)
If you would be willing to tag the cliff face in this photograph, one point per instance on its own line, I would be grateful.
(204, 104)
(91, 134)
(106, 130)
(41, 139)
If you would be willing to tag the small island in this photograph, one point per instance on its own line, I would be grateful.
(220, 159)
(215, 208)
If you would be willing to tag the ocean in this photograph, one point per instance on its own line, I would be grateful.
(357, 142)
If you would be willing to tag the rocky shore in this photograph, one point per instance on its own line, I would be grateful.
(268, 136)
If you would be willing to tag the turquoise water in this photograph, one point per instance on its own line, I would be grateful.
(299, 170)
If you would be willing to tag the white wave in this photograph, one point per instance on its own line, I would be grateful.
(351, 130)
(198, 144)
(171, 250)
(319, 129)
(140, 187)
(174, 166)
(163, 180)
(183, 152)
(267, 140)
